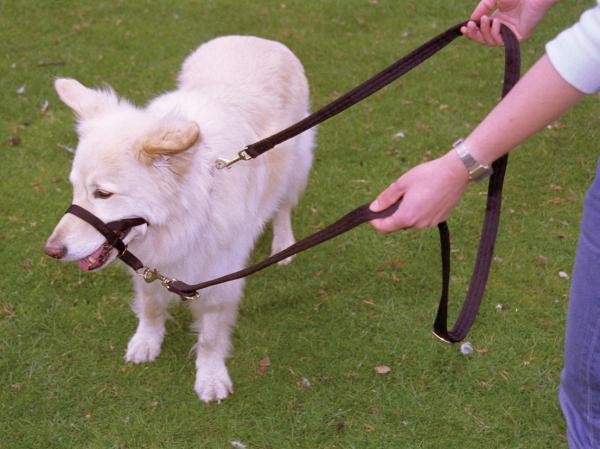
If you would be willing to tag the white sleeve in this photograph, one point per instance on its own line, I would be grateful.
(575, 52)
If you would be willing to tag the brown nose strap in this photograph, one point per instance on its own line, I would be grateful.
(111, 230)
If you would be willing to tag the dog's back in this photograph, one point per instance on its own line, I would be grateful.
(266, 73)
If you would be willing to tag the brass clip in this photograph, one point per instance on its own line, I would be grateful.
(152, 274)
(222, 163)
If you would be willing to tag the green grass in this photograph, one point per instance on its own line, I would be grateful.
(338, 311)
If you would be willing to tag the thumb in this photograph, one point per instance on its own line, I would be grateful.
(388, 197)
(484, 7)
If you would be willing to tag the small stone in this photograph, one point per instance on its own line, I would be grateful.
(466, 348)
(304, 383)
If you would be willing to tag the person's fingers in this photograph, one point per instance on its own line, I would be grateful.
(387, 225)
(484, 7)
(388, 197)
(406, 217)
(471, 31)
(485, 27)
(495, 31)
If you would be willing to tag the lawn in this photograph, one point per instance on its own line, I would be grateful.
(326, 322)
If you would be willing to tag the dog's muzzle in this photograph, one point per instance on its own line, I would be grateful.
(113, 232)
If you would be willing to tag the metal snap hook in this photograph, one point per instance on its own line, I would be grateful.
(222, 163)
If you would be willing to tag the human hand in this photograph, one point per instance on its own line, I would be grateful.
(429, 192)
(521, 16)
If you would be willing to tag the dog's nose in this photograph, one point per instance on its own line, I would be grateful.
(55, 250)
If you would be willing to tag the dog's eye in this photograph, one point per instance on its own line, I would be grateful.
(102, 194)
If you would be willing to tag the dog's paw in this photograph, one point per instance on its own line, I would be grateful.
(143, 348)
(280, 247)
(213, 383)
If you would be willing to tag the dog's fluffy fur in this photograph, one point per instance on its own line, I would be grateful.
(157, 163)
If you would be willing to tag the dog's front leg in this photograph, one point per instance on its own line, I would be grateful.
(215, 315)
(150, 306)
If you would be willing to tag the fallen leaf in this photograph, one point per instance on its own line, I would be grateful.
(555, 125)
(382, 369)
(556, 200)
(396, 263)
(6, 311)
(263, 364)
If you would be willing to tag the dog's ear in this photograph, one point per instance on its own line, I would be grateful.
(85, 102)
(170, 137)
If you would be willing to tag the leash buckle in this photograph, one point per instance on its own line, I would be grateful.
(152, 274)
(222, 163)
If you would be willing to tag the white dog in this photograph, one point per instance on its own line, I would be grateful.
(157, 163)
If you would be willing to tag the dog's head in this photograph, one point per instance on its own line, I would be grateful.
(126, 164)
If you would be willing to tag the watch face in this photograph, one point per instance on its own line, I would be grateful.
(480, 173)
(477, 172)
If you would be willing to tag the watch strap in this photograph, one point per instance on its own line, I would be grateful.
(477, 171)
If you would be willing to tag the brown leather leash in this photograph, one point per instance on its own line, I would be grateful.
(112, 231)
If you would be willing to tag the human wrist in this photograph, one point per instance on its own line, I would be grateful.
(476, 169)
(455, 167)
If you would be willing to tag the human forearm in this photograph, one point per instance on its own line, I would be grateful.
(541, 96)
(431, 190)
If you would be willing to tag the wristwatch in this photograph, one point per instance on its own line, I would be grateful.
(477, 172)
